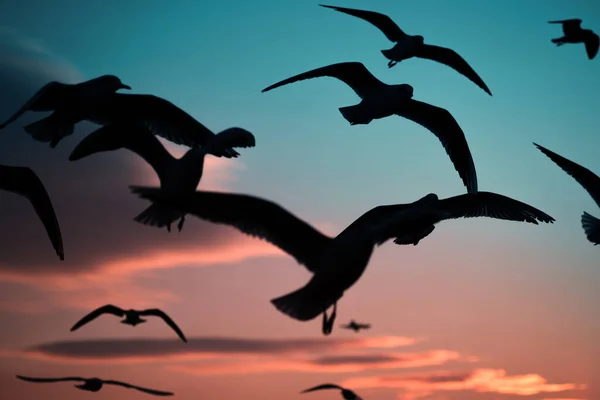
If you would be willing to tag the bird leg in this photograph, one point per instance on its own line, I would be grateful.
(328, 322)
(168, 227)
(392, 63)
(180, 224)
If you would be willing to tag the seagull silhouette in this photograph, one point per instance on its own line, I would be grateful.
(356, 327)
(24, 182)
(337, 263)
(380, 100)
(347, 394)
(94, 384)
(574, 34)
(177, 176)
(408, 46)
(70, 101)
(589, 181)
(160, 116)
(132, 317)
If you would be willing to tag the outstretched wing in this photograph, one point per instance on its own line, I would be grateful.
(592, 43)
(253, 216)
(363, 326)
(381, 21)
(353, 74)
(569, 26)
(452, 59)
(322, 387)
(107, 309)
(141, 389)
(23, 181)
(492, 205)
(583, 176)
(44, 99)
(159, 313)
(48, 380)
(443, 125)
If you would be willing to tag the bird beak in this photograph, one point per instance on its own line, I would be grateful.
(124, 86)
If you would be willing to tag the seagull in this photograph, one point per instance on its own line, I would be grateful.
(94, 384)
(347, 394)
(337, 263)
(409, 46)
(380, 100)
(23, 181)
(160, 116)
(356, 327)
(574, 34)
(177, 176)
(70, 101)
(589, 181)
(132, 317)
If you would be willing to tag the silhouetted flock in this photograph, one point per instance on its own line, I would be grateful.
(131, 121)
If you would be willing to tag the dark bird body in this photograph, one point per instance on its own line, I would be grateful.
(356, 327)
(132, 317)
(380, 100)
(408, 46)
(337, 263)
(574, 34)
(94, 384)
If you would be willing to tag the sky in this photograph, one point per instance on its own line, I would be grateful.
(480, 309)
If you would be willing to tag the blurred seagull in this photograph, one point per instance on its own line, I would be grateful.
(356, 327)
(574, 34)
(132, 317)
(177, 176)
(337, 263)
(70, 100)
(380, 100)
(23, 181)
(589, 181)
(347, 394)
(94, 384)
(160, 116)
(409, 46)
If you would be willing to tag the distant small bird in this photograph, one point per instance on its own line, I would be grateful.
(24, 182)
(574, 34)
(589, 181)
(408, 46)
(347, 394)
(177, 176)
(160, 116)
(94, 384)
(356, 327)
(132, 317)
(70, 101)
(380, 100)
(337, 263)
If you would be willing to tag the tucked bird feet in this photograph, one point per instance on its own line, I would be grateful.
(180, 224)
(392, 63)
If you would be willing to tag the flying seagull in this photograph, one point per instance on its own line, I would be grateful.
(177, 176)
(409, 46)
(380, 100)
(132, 317)
(70, 101)
(589, 181)
(574, 34)
(356, 327)
(94, 384)
(160, 116)
(347, 394)
(23, 181)
(337, 263)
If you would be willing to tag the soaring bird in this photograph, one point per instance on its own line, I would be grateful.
(408, 46)
(23, 181)
(589, 181)
(337, 263)
(94, 384)
(347, 394)
(132, 317)
(177, 176)
(160, 116)
(380, 100)
(574, 34)
(70, 101)
(356, 327)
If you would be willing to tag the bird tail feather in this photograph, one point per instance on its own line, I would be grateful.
(306, 303)
(50, 129)
(591, 227)
(158, 215)
(355, 115)
(102, 139)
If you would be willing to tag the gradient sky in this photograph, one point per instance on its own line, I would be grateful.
(481, 309)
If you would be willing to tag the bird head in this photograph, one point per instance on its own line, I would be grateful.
(405, 91)
(110, 83)
(419, 39)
